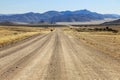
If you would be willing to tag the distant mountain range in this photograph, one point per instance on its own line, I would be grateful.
(55, 16)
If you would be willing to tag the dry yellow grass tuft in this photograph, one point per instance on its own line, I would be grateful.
(13, 38)
(10, 34)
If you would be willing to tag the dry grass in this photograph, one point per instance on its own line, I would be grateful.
(10, 34)
(107, 42)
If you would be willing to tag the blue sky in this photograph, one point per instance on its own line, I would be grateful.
(40, 6)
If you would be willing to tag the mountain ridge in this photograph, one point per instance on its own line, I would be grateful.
(56, 16)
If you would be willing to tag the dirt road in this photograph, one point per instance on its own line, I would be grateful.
(56, 56)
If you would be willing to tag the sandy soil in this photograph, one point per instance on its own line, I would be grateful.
(56, 56)
(107, 42)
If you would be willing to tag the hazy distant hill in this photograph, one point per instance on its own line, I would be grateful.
(113, 22)
(55, 16)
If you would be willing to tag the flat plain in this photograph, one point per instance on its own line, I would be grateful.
(62, 54)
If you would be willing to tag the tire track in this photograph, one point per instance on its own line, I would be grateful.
(75, 57)
(74, 72)
(56, 67)
(39, 65)
(102, 72)
(20, 47)
(91, 68)
(6, 73)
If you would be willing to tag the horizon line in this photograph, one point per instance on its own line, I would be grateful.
(54, 10)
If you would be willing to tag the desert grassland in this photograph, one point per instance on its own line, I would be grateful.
(105, 41)
(10, 34)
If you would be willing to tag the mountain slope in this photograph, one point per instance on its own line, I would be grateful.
(55, 16)
(78, 16)
(113, 22)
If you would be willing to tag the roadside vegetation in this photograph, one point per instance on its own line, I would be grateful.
(104, 38)
(10, 35)
(95, 29)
